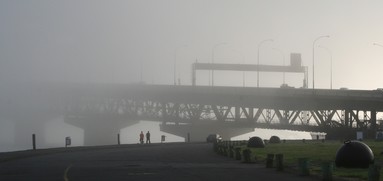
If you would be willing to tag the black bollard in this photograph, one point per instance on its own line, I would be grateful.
(304, 166)
(215, 147)
(224, 151)
(269, 160)
(279, 162)
(220, 149)
(34, 141)
(327, 169)
(246, 155)
(373, 172)
(231, 151)
(238, 153)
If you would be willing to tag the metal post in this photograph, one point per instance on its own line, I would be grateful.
(194, 79)
(34, 141)
(331, 72)
(314, 57)
(243, 78)
(141, 72)
(175, 66)
(118, 138)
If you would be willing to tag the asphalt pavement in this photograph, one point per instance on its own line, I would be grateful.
(159, 162)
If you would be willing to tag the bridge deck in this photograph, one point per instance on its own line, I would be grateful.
(278, 98)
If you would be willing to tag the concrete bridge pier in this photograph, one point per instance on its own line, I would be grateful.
(27, 123)
(100, 130)
(199, 132)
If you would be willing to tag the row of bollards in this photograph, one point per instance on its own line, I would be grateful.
(326, 167)
(232, 149)
(68, 140)
(278, 161)
(229, 149)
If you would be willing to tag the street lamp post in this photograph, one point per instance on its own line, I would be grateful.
(283, 56)
(329, 51)
(141, 81)
(377, 44)
(175, 63)
(212, 61)
(259, 46)
(327, 36)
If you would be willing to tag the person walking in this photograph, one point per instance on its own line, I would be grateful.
(142, 137)
(147, 137)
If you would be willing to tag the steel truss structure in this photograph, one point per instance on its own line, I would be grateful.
(174, 110)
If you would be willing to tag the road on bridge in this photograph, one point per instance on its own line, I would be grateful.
(160, 162)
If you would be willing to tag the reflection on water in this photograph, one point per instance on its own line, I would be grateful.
(267, 133)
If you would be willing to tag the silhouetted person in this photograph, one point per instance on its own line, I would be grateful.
(148, 137)
(142, 137)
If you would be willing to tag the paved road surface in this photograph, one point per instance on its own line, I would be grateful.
(159, 162)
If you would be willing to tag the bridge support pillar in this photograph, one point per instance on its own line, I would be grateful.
(373, 126)
(200, 132)
(347, 121)
(100, 131)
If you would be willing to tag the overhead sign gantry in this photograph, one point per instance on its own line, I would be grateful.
(294, 67)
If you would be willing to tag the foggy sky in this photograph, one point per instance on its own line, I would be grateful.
(97, 41)
(107, 41)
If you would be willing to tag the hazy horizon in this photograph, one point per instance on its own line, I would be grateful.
(95, 41)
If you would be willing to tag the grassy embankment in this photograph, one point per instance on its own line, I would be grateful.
(316, 152)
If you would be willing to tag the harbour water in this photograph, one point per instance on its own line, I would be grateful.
(54, 132)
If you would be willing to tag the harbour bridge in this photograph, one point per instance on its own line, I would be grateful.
(194, 111)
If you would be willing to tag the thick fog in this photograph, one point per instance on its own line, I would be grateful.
(94, 41)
